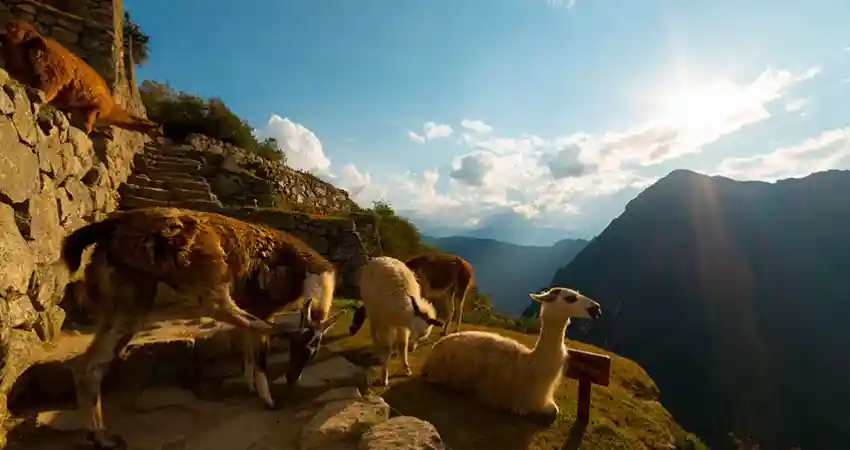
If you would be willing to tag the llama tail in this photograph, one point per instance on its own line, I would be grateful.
(123, 119)
(357, 321)
(76, 243)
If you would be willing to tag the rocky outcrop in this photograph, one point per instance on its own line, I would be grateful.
(53, 179)
(239, 177)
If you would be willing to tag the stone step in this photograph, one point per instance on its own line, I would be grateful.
(170, 176)
(151, 166)
(176, 152)
(193, 184)
(157, 158)
(131, 202)
(165, 194)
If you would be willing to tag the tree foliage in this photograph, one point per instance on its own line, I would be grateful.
(182, 114)
(137, 40)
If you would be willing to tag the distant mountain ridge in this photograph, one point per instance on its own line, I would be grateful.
(734, 296)
(508, 272)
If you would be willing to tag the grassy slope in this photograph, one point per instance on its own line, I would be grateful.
(624, 415)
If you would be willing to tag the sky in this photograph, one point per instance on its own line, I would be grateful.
(546, 114)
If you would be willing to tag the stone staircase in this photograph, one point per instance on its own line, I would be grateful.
(167, 174)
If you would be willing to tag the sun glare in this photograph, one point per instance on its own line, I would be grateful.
(698, 111)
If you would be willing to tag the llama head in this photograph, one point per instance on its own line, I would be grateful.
(304, 343)
(424, 318)
(560, 303)
(318, 297)
(18, 31)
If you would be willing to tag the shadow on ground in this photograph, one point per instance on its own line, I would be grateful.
(462, 424)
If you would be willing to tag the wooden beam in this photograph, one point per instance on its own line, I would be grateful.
(589, 369)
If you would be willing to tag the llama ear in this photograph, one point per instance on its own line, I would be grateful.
(544, 296)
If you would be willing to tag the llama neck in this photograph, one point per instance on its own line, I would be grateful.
(551, 338)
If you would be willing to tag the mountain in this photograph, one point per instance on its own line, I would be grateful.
(507, 226)
(734, 296)
(508, 272)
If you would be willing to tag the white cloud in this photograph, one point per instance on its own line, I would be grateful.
(360, 185)
(476, 126)
(557, 3)
(415, 137)
(436, 130)
(829, 150)
(796, 104)
(430, 131)
(302, 148)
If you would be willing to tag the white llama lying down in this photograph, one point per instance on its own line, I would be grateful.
(501, 373)
(398, 315)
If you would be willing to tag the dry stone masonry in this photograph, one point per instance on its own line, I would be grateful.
(53, 179)
(239, 177)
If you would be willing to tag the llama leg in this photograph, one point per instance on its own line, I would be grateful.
(450, 310)
(405, 339)
(261, 380)
(113, 334)
(219, 305)
(384, 349)
(91, 115)
(458, 301)
(248, 353)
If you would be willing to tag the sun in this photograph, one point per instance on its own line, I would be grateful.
(703, 109)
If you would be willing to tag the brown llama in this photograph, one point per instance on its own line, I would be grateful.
(233, 271)
(447, 277)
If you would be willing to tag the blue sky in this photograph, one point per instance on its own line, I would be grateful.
(469, 113)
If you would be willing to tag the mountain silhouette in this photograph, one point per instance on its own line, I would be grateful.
(734, 296)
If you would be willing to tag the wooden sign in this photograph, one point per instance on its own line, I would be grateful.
(588, 368)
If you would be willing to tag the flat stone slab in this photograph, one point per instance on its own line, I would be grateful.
(332, 372)
(339, 425)
(402, 433)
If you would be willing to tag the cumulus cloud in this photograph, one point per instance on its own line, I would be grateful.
(437, 130)
(565, 163)
(473, 168)
(476, 126)
(430, 131)
(829, 150)
(302, 147)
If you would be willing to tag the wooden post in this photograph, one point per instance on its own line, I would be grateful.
(589, 369)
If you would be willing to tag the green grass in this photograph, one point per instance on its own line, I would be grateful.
(624, 415)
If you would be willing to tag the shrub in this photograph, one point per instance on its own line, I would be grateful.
(182, 114)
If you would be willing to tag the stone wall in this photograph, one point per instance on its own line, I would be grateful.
(53, 179)
(345, 241)
(239, 177)
(92, 29)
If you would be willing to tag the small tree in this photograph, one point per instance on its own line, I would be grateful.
(136, 40)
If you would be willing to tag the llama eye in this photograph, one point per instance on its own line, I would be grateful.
(571, 298)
